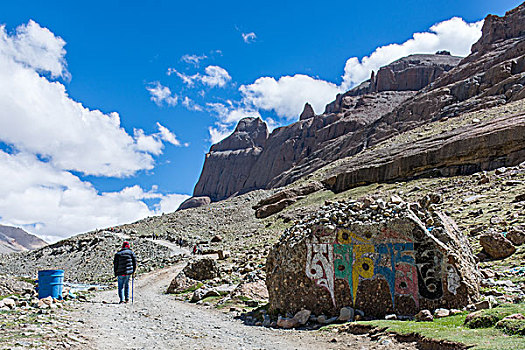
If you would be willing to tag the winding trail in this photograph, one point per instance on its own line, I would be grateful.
(175, 248)
(157, 321)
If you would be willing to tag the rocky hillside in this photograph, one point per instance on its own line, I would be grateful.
(401, 96)
(14, 239)
(85, 258)
(88, 257)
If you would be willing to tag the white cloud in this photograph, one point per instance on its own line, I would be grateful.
(35, 47)
(231, 113)
(288, 95)
(219, 109)
(214, 76)
(171, 202)
(148, 143)
(161, 94)
(193, 59)
(154, 143)
(38, 116)
(454, 35)
(187, 79)
(190, 104)
(167, 135)
(219, 132)
(249, 37)
(49, 135)
(55, 204)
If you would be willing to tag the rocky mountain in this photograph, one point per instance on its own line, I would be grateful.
(240, 152)
(14, 239)
(402, 96)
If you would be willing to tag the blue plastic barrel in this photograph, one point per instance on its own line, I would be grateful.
(50, 283)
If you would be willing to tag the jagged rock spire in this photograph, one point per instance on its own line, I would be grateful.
(308, 112)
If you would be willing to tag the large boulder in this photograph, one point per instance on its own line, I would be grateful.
(181, 283)
(192, 274)
(284, 198)
(516, 236)
(273, 208)
(378, 257)
(202, 269)
(496, 245)
(194, 202)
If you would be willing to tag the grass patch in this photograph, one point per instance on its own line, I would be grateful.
(211, 299)
(228, 303)
(243, 298)
(191, 289)
(452, 328)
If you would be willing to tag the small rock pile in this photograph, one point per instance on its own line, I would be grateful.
(12, 285)
(380, 256)
(204, 277)
(29, 322)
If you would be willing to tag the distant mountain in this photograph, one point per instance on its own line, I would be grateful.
(14, 239)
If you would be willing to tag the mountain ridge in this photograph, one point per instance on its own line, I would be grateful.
(14, 239)
(392, 101)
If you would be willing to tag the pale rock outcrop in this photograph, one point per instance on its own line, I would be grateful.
(194, 202)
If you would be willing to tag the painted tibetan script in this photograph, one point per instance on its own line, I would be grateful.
(353, 258)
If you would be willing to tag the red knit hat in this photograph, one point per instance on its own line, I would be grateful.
(125, 244)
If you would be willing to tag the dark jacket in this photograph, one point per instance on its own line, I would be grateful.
(125, 262)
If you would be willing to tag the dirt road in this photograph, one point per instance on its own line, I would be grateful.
(157, 321)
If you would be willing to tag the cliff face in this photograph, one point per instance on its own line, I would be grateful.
(251, 159)
(401, 96)
(229, 162)
(497, 29)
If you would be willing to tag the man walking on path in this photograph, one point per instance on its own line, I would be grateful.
(124, 265)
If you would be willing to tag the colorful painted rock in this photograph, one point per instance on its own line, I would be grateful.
(379, 260)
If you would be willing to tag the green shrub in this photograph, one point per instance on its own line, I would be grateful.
(512, 327)
(482, 321)
(489, 317)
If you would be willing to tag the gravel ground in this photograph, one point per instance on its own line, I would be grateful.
(157, 321)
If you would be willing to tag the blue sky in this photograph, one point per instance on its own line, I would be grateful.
(122, 55)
